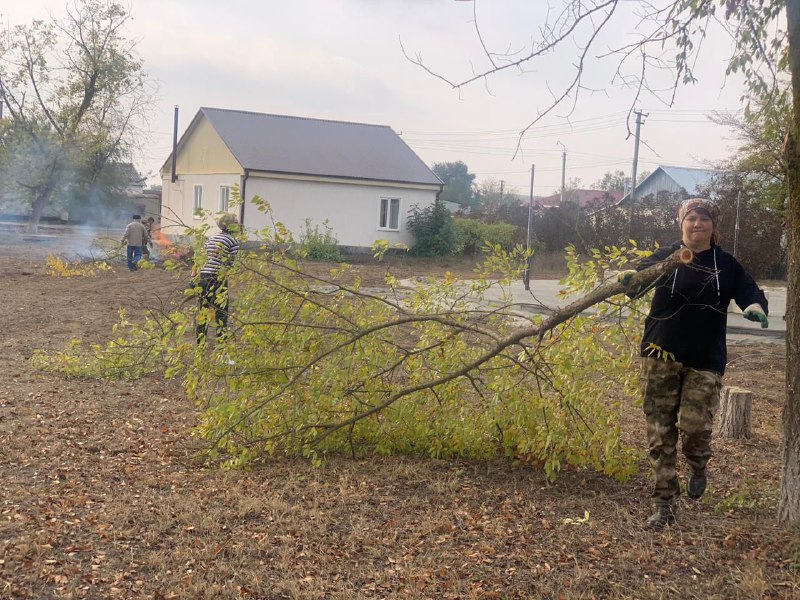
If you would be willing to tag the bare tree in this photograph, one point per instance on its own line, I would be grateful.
(77, 96)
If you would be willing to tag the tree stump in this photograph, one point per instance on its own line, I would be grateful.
(735, 407)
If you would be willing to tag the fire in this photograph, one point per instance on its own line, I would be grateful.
(160, 239)
(170, 250)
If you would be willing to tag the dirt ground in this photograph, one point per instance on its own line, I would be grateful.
(101, 497)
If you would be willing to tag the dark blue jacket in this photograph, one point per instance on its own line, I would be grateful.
(689, 313)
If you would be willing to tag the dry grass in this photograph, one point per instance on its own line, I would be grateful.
(101, 497)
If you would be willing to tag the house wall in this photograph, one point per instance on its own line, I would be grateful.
(203, 159)
(177, 206)
(205, 152)
(350, 208)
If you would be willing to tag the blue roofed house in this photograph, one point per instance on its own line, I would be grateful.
(672, 180)
(360, 179)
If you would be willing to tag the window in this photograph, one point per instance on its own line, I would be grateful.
(198, 199)
(224, 197)
(389, 217)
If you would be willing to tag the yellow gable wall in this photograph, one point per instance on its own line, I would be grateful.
(204, 152)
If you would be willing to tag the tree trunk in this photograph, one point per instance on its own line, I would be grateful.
(735, 408)
(789, 507)
(41, 198)
(37, 208)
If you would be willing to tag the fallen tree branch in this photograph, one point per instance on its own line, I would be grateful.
(639, 281)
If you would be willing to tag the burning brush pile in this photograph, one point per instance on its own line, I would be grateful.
(165, 249)
(107, 248)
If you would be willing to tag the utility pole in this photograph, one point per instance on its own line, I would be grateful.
(526, 277)
(563, 171)
(502, 185)
(639, 114)
(736, 229)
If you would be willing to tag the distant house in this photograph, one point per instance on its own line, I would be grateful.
(672, 180)
(137, 199)
(127, 175)
(589, 200)
(361, 180)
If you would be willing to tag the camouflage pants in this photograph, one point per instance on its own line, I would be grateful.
(677, 398)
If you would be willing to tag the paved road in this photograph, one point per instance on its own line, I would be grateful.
(542, 297)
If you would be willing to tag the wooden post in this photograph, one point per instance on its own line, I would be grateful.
(734, 413)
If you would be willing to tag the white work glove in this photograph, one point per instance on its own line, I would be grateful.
(754, 312)
(624, 277)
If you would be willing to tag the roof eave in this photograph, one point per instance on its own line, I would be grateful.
(255, 171)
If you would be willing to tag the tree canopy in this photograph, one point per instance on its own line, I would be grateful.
(615, 181)
(760, 155)
(77, 96)
(458, 182)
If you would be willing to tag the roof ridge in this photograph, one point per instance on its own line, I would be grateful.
(261, 114)
(688, 168)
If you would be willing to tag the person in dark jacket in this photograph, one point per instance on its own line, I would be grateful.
(221, 250)
(684, 351)
(148, 224)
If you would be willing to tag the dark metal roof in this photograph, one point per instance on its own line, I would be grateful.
(296, 145)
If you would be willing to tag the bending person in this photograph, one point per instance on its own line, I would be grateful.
(221, 250)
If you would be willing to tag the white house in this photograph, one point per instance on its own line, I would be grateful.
(361, 179)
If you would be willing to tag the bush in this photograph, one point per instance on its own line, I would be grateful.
(319, 245)
(474, 235)
(433, 229)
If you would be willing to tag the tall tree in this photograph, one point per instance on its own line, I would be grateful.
(459, 183)
(789, 507)
(617, 181)
(611, 181)
(760, 155)
(767, 49)
(76, 94)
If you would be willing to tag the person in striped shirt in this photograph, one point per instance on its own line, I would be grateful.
(221, 250)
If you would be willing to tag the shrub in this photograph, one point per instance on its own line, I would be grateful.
(474, 235)
(319, 245)
(433, 229)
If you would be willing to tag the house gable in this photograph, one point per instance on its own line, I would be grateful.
(673, 180)
(202, 150)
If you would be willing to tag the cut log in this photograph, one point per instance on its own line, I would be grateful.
(735, 409)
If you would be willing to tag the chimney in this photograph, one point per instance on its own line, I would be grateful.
(175, 144)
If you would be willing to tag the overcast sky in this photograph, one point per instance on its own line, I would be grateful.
(342, 60)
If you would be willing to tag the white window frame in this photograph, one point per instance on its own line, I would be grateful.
(385, 214)
(224, 198)
(198, 200)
